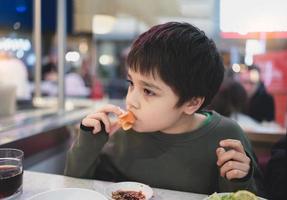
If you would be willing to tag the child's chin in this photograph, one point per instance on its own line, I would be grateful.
(141, 129)
(137, 129)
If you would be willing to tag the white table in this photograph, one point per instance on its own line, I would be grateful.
(35, 182)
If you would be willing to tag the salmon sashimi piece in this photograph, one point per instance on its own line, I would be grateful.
(126, 120)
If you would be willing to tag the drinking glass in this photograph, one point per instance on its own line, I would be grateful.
(11, 173)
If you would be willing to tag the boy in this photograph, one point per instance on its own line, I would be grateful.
(174, 70)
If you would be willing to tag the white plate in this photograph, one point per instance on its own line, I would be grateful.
(225, 193)
(69, 194)
(129, 186)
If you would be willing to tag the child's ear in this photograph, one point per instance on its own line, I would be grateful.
(193, 105)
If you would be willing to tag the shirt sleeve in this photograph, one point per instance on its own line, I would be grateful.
(83, 157)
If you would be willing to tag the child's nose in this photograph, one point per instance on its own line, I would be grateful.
(132, 100)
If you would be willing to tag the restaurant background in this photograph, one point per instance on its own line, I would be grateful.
(99, 34)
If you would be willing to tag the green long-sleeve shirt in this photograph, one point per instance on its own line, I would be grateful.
(185, 162)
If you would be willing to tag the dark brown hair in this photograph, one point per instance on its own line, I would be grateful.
(183, 57)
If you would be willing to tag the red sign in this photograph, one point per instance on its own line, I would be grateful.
(254, 35)
(273, 67)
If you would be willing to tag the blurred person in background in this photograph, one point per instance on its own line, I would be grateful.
(230, 101)
(49, 83)
(74, 83)
(260, 104)
(117, 86)
(85, 72)
(14, 72)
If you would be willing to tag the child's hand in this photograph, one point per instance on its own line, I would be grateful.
(101, 115)
(233, 163)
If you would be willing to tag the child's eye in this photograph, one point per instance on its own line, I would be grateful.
(148, 92)
(130, 82)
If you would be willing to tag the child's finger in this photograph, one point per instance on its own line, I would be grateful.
(99, 117)
(105, 119)
(219, 151)
(232, 155)
(97, 127)
(111, 109)
(233, 144)
(89, 122)
(235, 174)
(233, 165)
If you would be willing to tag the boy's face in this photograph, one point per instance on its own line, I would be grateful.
(153, 104)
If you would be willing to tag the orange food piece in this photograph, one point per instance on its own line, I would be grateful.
(127, 120)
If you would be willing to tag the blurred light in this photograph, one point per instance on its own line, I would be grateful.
(254, 76)
(21, 9)
(21, 6)
(72, 56)
(248, 59)
(106, 59)
(17, 25)
(14, 44)
(236, 67)
(31, 59)
(38, 101)
(103, 24)
(253, 47)
(69, 105)
(20, 54)
(242, 32)
(83, 47)
(258, 16)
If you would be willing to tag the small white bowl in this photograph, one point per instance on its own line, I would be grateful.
(129, 186)
(69, 194)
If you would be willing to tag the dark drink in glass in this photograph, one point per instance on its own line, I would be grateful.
(10, 180)
(11, 173)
